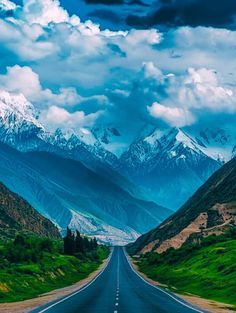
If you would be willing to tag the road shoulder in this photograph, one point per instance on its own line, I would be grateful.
(28, 305)
(202, 304)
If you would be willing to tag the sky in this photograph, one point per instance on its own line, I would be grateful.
(167, 63)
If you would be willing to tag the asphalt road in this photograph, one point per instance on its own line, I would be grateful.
(118, 289)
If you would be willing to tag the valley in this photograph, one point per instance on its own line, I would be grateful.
(117, 156)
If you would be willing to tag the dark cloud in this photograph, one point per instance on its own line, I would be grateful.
(106, 15)
(107, 2)
(213, 13)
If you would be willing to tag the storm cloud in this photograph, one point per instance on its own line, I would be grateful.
(188, 12)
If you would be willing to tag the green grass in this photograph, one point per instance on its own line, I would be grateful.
(25, 280)
(208, 271)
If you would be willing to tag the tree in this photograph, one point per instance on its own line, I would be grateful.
(86, 243)
(69, 242)
(79, 244)
(19, 240)
(95, 243)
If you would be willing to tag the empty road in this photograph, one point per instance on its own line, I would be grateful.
(118, 289)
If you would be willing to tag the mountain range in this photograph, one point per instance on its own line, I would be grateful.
(210, 211)
(93, 179)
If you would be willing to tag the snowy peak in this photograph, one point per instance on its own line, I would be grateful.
(106, 135)
(218, 144)
(173, 142)
(215, 136)
(18, 118)
(16, 103)
(73, 137)
(16, 111)
(111, 139)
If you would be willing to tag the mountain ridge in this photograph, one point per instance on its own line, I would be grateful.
(211, 210)
(17, 215)
(62, 189)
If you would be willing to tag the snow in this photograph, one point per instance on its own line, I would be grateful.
(154, 137)
(92, 226)
(16, 112)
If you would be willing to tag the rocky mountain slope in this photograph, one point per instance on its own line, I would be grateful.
(211, 210)
(69, 193)
(18, 215)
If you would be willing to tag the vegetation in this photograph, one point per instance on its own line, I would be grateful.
(32, 265)
(75, 243)
(207, 269)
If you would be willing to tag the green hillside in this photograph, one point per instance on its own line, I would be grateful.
(207, 269)
(30, 266)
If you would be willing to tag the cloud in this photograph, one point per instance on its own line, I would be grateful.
(23, 80)
(59, 61)
(107, 2)
(55, 117)
(180, 100)
(188, 12)
(44, 12)
(173, 116)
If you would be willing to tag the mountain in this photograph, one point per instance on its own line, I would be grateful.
(16, 215)
(152, 168)
(69, 193)
(211, 210)
(166, 163)
(217, 143)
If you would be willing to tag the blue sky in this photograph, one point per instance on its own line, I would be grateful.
(179, 70)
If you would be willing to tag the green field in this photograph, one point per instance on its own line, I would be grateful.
(33, 270)
(207, 270)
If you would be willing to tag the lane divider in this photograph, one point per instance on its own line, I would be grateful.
(80, 290)
(158, 288)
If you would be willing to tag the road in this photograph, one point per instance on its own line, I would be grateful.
(119, 289)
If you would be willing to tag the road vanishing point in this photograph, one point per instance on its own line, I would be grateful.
(118, 288)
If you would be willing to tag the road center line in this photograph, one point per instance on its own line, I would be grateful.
(80, 290)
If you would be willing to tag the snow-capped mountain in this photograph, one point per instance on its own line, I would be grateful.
(93, 198)
(112, 139)
(19, 126)
(217, 143)
(164, 165)
(169, 164)
(68, 193)
(21, 129)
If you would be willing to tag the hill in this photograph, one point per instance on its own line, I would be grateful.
(17, 215)
(211, 210)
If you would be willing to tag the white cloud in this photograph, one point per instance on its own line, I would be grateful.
(23, 80)
(171, 115)
(201, 89)
(56, 117)
(44, 12)
(63, 62)
(6, 5)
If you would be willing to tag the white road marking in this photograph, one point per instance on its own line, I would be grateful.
(118, 281)
(165, 292)
(80, 290)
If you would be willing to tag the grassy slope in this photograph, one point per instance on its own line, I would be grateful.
(24, 281)
(209, 271)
